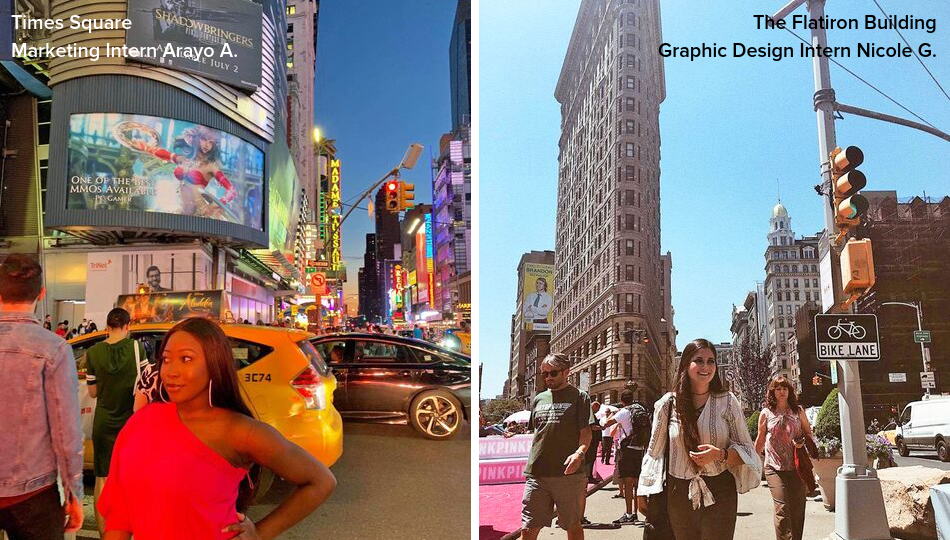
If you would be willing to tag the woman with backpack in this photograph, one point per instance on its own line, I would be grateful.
(700, 451)
(633, 422)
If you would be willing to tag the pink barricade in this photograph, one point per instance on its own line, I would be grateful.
(501, 460)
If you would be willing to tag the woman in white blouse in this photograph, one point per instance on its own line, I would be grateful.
(712, 456)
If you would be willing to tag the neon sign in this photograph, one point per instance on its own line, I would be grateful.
(334, 204)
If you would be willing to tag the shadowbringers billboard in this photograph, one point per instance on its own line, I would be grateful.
(217, 39)
(153, 164)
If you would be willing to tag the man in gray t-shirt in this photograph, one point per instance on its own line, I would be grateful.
(560, 418)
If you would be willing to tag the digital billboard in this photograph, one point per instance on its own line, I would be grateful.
(217, 39)
(537, 303)
(153, 164)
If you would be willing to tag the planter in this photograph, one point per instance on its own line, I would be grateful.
(826, 469)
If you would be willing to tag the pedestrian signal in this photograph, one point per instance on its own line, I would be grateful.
(857, 266)
(846, 182)
(816, 381)
(392, 196)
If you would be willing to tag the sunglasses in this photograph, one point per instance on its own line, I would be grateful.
(552, 373)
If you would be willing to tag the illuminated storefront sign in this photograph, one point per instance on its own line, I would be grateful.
(398, 284)
(334, 207)
(430, 262)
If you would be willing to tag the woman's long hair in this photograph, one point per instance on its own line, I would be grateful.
(684, 392)
(771, 403)
(225, 389)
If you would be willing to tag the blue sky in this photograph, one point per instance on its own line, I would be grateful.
(382, 84)
(735, 132)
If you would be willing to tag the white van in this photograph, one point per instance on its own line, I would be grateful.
(925, 425)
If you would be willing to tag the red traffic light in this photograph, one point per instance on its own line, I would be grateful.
(392, 186)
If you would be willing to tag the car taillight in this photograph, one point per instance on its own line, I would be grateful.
(310, 387)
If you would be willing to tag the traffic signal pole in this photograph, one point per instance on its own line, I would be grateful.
(859, 505)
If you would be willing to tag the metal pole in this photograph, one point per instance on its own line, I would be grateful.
(859, 501)
(923, 358)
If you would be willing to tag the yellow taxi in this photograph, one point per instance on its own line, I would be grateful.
(283, 379)
(889, 432)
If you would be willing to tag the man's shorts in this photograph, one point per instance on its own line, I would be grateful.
(629, 462)
(543, 494)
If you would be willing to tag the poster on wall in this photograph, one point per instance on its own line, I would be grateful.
(153, 164)
(217, 39)
(537, 304)
(172, 306)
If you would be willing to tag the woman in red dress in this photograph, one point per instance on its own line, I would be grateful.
(181, 468)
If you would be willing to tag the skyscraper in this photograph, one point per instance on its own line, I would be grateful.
(460, 61)
(609, 273)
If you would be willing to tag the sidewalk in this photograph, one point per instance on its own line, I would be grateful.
(500, 513)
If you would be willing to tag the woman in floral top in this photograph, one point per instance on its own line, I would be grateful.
(782, 428)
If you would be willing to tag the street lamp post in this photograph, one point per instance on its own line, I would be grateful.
(923, 357)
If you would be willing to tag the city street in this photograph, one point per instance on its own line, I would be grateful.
(390, 483)
(924, 459)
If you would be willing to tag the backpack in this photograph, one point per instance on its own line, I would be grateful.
(639, 437)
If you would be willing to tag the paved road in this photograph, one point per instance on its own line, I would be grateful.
(391, 483)
(926, 459)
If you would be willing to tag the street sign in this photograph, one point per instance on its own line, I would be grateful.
(322, 264)
(921, 336)
(928, 376)
(318, 280)
(928, 384)
(846, 337)
(897, 377)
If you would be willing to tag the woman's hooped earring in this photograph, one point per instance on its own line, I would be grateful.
(209, 395)
(161, 396)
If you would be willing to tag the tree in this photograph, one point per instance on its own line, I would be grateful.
(496, 410)
(828, 423)
(753, 370)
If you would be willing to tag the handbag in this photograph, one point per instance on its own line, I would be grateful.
(804, 468)
(657, 526)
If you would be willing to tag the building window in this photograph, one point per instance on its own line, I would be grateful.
(629, 222)
(796, 296)
(631, 83)
(629, 272)
(290, 45)
(291, 10)
(630, 244)
(631, 127)
(290, 28)
(630, 150)
(808, 296)
(290, 64)
(814, 282)
(780, 310)
(631, 104)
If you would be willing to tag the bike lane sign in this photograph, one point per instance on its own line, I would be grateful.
(847, 337)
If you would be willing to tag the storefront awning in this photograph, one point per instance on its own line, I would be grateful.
(29, 82)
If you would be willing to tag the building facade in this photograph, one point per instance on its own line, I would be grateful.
(609, 272)
(114, 122)
(452, 219)
(911, 241)
(530, 335)
(791, 280)
(460, 65)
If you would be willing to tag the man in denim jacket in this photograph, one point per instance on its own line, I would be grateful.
(39, 414)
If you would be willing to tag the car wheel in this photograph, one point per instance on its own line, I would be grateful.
(942, 451)
(436, 414)
(264, 483)
(902, 448)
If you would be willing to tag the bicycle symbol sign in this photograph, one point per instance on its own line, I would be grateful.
(847, 337)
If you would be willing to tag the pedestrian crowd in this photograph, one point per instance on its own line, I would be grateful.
(679, 468)
(176, 452)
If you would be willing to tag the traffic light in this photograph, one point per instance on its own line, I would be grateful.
(846, 181)
(392, 196)
(816, 381)
(407, 195)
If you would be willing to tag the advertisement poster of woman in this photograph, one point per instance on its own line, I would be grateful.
(537, 300)
(153, 164)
